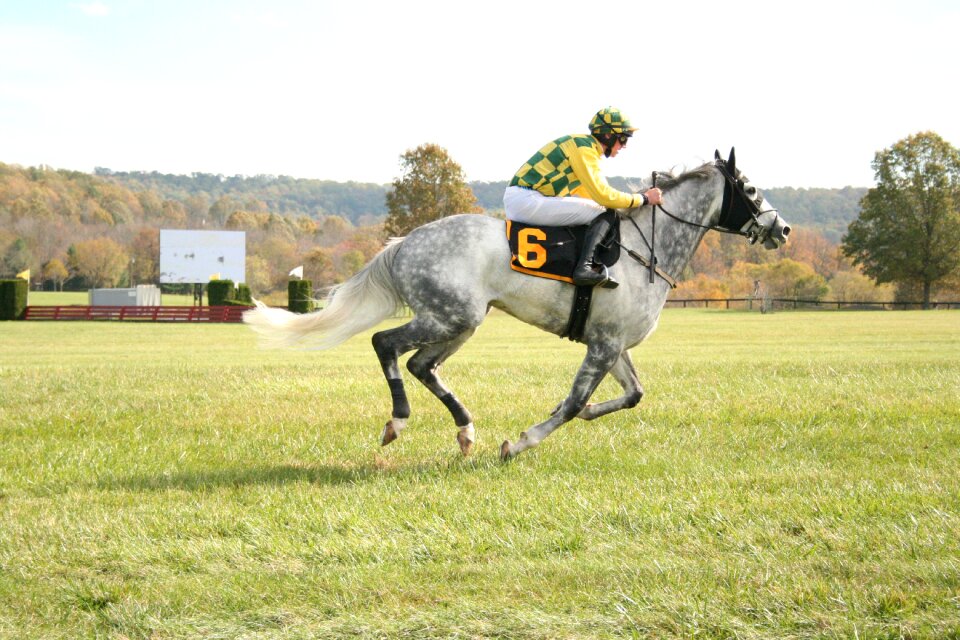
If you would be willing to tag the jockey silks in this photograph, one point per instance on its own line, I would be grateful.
(570, 166)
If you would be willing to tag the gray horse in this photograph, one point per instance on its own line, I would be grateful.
(452, 271)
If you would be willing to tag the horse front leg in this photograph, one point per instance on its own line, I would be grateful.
(626, 375)
(598, 362)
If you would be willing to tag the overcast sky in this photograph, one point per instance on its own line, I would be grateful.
(806, 91)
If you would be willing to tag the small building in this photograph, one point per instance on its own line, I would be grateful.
(143, 295)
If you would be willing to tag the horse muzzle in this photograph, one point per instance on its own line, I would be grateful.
(777, 234)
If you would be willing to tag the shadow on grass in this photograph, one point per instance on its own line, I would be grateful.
(319, 474)
(242, 476)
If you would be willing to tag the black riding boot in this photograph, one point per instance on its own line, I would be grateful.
(585, 273)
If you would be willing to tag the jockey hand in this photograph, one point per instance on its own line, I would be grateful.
(654, 196)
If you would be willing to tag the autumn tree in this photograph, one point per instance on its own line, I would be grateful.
(174, 214)
(145, 256)
(908, 231)
(17, 258)
(853, 286)
(151, 203)
(258, 275)
(351, 261)
(100, 261)
(319, 268)
(812, 247)
(431, 187)
(221, 210)
(784, 278)
(335, 229)
(701, 286)
(56, 271)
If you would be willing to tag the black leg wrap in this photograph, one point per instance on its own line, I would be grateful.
(461, 417)
(401, 408)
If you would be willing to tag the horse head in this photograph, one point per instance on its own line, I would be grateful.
(745, 210)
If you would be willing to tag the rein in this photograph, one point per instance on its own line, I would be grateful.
(732, 185)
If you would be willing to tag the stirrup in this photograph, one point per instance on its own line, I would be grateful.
(596, 278)
(608, 282)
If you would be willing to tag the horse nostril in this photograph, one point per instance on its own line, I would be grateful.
(786, 231)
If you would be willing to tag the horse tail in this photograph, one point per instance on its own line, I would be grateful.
(354, 306)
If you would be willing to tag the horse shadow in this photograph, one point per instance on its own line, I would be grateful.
(281, 474)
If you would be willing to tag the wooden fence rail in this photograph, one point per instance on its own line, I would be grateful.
(148, 314)
(235, 313)
(795, 303)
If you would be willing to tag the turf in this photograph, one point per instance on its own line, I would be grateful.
(791, 475)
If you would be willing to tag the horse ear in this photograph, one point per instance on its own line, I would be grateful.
(732, 162)
(716, 155)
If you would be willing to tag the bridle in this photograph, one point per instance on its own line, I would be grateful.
(739, 215)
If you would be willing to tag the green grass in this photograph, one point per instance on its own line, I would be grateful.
(790, 475)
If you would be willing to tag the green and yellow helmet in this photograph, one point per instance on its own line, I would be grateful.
(610, 120)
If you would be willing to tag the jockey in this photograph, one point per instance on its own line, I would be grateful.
(561, 186)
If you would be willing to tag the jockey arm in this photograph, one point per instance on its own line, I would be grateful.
(586, 165)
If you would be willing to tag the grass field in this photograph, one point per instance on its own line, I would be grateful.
(792, 475)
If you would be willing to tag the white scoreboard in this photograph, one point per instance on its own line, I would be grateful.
(197, 256)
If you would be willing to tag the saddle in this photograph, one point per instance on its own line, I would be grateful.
(552, 252)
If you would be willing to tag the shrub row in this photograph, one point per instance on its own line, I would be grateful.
(223, 293)
(13, 298)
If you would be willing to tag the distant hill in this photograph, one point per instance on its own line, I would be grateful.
(827, 210)
(359, 202)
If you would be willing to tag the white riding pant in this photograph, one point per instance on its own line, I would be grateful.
(532, 207)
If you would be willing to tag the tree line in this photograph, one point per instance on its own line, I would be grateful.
(827, 210)
(76, 230)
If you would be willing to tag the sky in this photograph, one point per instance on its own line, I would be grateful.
(807, 92)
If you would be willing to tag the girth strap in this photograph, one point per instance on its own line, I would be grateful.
(579, 311)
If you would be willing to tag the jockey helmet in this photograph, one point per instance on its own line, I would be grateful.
(610, 120)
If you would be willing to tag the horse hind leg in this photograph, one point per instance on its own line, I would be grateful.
(390, 345)
(424, 364)
(393, 343)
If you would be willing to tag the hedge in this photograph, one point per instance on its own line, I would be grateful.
(219, 291)
(243, 294)
(299, 296)
(13, 298)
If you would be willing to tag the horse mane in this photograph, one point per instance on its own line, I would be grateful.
(667, 180)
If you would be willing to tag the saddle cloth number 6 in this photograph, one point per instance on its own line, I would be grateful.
(531, 254)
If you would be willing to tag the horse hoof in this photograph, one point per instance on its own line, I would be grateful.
(505, 453)
(465, 438)
(389, 434)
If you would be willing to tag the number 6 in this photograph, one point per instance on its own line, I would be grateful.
(527, 246)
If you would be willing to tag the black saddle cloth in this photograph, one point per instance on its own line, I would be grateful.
(552, 252)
